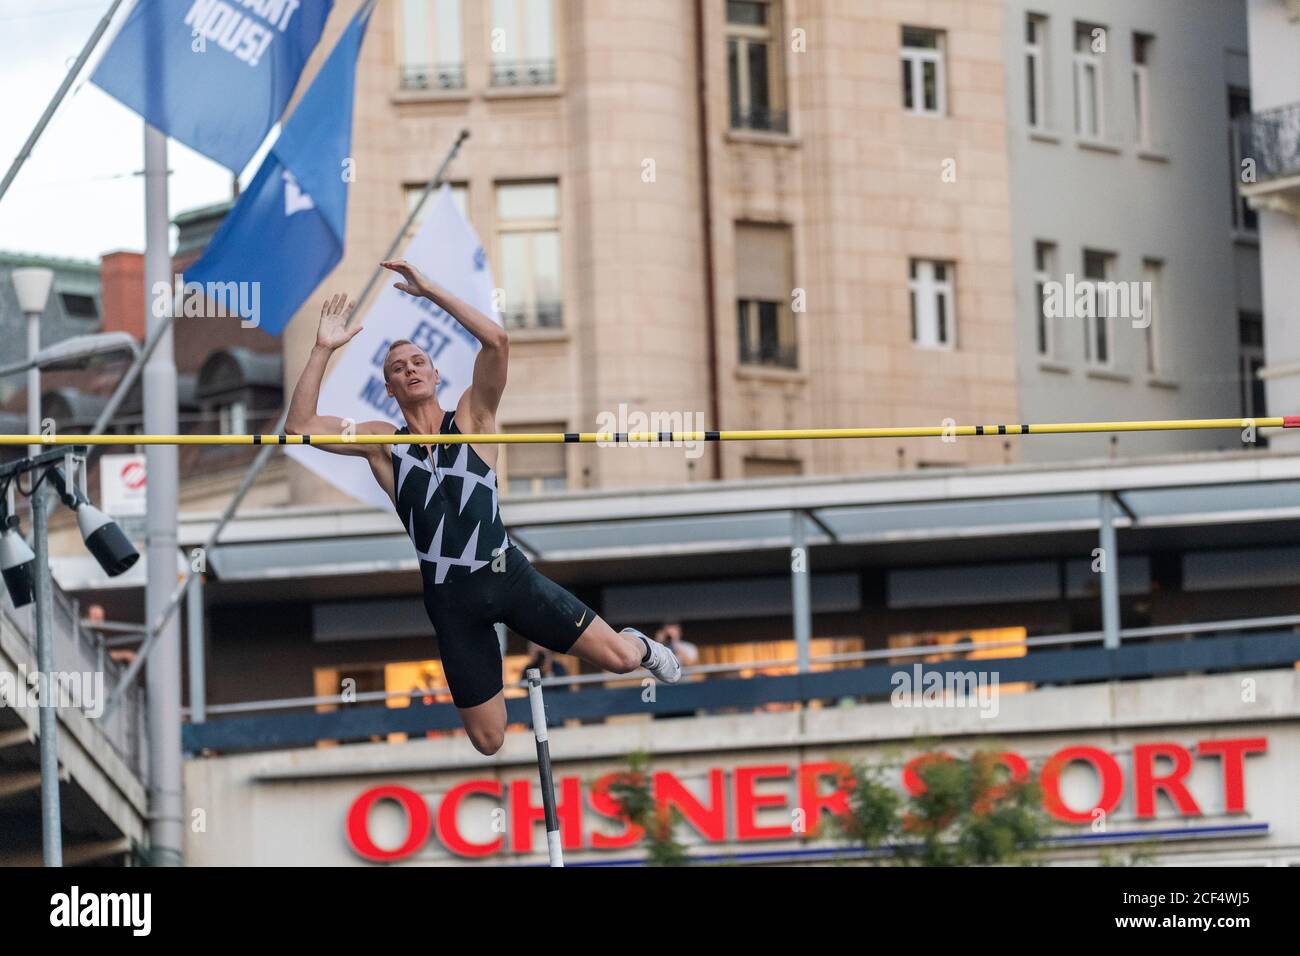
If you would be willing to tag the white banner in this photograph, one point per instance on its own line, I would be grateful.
(446, 249)
(121, 485)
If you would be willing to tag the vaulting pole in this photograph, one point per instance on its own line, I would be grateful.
(651, 438)
(553, 848)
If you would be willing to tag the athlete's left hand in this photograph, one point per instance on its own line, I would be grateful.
(415, 282)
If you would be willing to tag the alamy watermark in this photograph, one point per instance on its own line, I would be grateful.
(83, 690)
(921, 688)
(660, 425)
(1093, 298)
(208, 300)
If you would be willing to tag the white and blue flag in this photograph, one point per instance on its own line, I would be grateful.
(447, 250)
(286, 232)
(214, 74)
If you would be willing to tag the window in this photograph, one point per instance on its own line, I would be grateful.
(765, 323)
(79, 306)
(1097, 323)
(1087, 84)
(412, 192)
(429, 45)
(233, 418)
(532, 469)
(1142, 44)
(923, 80)
(1244, 218)
(1035, 70)
(528, 255)
(754, 67)
(933, 322)
(1151, 313)
(523, 43)
(1251, 339)
(1044, 268)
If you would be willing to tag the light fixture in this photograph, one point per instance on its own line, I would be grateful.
(17, 563)
(103, 538)
(33, 288)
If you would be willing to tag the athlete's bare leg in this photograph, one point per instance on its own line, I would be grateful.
(602, 646)
(486, 724)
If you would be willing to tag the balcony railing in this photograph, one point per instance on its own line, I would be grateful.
(540, 72)
(1271, 139)
(433, 76)
(760, 119)
(770, 356)
(545, 315)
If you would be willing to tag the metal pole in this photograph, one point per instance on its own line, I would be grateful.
(51, 817)
(1109, 573)
(163, 680)
(194, 623)
(160, 621)
(62, 91)
(33, 380)
(553, 848)
(800, 590)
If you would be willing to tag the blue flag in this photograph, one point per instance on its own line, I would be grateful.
(214, 74)
(286, 232)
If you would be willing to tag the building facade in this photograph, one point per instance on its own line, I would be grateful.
(1122, 181)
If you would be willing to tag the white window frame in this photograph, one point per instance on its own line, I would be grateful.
(746, 35)
(411, 193)
(916, 57)
(1142, 93)
(506, 227)
(1042, 276)
(1088, 93)
(1036, 72)
(1153, 273)
(925, 292)
(436, 32)
(520, 39)
(1090, 321)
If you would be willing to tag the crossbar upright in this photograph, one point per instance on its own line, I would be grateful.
(553, 848)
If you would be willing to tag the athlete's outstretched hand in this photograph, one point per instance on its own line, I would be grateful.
(414, 281)
(333, 333)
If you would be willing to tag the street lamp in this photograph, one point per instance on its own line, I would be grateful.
(33, 288)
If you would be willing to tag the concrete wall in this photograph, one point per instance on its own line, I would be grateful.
(1173, 204)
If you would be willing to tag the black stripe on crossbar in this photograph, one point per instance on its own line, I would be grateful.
(712, 436)
(979, 429)
(1002, 429)
(306, 439)
(284, 439)
(620, 438)
(571, 436)
(257, 439)
(666, 437)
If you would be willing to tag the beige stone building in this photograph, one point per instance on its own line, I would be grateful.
(733, 211)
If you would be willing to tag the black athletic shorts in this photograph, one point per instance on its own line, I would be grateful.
(464, 610)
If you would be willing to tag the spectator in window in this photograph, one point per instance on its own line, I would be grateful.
(671, 634)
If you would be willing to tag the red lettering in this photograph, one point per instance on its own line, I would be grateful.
(835, 802)
(1112, 783)
(607, 806)
(1233, 754)
(1146, 783)
(1017, 770)
(417, 823)
(449, 832)
(748, 802)
(709, 821)
(524, 813)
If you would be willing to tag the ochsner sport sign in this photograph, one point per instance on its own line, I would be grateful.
(730, 809)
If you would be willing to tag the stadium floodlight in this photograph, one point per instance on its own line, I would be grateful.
(103, 538)
(17, 563)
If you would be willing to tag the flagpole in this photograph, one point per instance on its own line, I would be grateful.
(159, 621)
(59, 95)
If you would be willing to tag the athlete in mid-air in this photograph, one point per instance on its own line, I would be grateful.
(446, 497)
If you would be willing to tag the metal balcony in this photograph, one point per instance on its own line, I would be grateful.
(537, 72)
(1269, 142)
(433, 76)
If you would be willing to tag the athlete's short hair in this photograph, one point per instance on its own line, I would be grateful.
(394, 345)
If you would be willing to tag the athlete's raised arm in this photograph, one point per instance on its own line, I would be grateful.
(489, 381)
(331, 334)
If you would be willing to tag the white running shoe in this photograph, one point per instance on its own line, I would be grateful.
(663, 663)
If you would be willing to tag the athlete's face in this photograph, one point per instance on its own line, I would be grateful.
(410, 375)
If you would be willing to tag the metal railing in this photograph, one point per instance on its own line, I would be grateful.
(432, 76)
(1271, 139)
(789, 665)
(535, 72)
